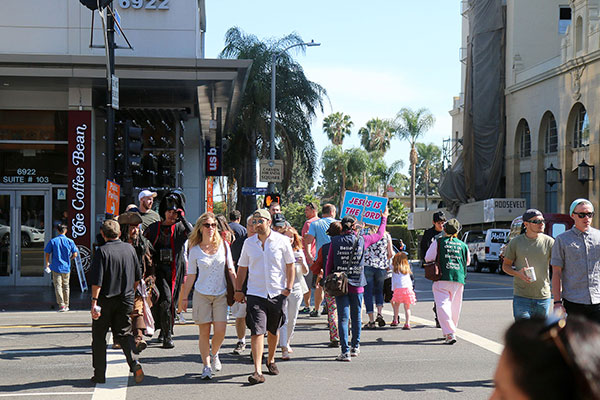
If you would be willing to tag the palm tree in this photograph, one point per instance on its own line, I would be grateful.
(430, 160)
(410, 125)
(343, 169)
(298, 99)
(386, 174)
(376, 135)
(337, 127)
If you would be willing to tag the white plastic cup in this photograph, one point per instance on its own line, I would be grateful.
(97, 309)
(529, 271)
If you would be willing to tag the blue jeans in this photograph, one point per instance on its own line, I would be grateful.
(374, 288)
(349, 306)
(524, 308)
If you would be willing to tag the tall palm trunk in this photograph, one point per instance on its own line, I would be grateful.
(413, 172)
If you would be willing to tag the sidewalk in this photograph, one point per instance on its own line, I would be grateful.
(39, 298)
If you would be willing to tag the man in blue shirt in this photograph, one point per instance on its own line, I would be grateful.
(63, 250)
(317, 231)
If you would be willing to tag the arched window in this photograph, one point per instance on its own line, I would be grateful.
(579, 34)
(525, 139)
(581, 129)
(550, 135)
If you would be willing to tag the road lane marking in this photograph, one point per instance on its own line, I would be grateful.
(45, 326)
(117, 375)
(477, 340)
(45, 351)
(47, 394)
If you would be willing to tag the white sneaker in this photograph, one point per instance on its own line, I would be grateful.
(216, 363)
(355, 351)
(343, 357)
(206, 373)
(450, 339)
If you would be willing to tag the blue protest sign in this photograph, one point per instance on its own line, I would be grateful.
(364, 207)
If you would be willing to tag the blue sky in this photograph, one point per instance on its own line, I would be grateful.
(375, 57)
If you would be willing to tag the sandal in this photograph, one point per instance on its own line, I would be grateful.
(369, 325)
(380, 320)
(394, 323)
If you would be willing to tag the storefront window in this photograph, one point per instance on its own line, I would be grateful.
(33, 147)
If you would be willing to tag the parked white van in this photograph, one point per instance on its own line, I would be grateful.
(484, 247)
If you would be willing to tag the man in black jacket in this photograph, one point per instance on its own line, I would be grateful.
(431, 234)
(114, 276)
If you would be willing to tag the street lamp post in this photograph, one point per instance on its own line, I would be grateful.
(273, 77)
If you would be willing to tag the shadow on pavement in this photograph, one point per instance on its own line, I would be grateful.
(452, 387)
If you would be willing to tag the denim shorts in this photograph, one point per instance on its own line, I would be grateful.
(525, 308)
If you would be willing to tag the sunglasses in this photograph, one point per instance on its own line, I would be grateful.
(537, 221)
(258, 221)
(207, 225)
(582, 215)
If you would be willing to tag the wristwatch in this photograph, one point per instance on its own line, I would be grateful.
(288, 289)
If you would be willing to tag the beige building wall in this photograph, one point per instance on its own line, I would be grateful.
(548, 73)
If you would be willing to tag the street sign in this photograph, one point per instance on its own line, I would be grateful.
(114, 91)
(271, 171)
(113, 196)
(209, 194)
(249, 191)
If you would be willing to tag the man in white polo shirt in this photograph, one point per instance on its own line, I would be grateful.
(268, 260)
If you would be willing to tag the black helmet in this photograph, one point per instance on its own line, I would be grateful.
(173, 200)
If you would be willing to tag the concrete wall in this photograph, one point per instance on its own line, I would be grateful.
(63, 27)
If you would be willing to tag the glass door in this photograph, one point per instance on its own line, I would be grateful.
(7, 205)
(25, 228)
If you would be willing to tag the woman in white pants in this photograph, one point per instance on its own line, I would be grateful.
(453, 257)
(292, 306)
(210, 259)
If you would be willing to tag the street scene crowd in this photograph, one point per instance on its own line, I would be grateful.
(147, 264)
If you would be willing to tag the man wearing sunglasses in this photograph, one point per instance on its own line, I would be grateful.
(576, 265)
(268, 260)
(532, 250)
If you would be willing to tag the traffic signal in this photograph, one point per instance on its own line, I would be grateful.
(270, 198)
(133, 147)
(93, 4)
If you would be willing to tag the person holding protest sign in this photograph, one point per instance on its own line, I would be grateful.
(346, 254)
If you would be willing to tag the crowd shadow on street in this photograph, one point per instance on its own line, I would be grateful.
(451, 387)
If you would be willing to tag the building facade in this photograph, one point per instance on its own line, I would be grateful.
(551, 101)
(53, 110)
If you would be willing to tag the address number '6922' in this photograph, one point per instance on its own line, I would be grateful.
(147, 4)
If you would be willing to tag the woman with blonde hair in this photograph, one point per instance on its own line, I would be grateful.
(210, 259)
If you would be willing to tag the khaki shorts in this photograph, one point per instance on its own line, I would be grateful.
(207, 308)
(238, 310)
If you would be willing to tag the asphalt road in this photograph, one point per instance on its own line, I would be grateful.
(48, 355)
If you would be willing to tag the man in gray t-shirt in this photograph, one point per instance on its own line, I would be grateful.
(532, 249)
(576, 265)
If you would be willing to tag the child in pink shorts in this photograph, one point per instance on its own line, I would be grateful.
(402, 287)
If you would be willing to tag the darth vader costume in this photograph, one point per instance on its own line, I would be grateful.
(168, 238)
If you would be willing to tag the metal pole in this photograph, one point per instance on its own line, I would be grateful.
(110, 115)
(272, 138)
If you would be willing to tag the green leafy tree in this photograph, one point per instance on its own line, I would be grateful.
(337, 126)
(376, 135)
(383, 175)
(401, 184)
(301, 185)
(298, 99)
(342, 170)
(429, 167)
(398, 213)
(411, 125)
